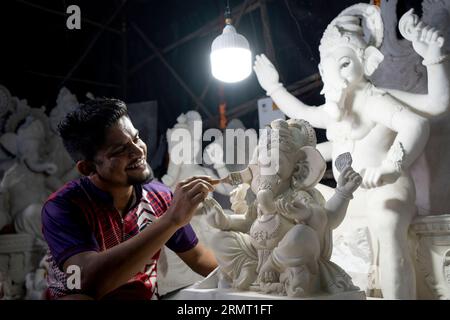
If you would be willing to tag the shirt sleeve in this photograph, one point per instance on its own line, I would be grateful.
(183, 239)
(66, 230)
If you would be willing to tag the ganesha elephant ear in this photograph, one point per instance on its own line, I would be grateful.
(9, 142)
(316, 167)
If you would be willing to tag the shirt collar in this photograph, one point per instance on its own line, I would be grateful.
(104, 196)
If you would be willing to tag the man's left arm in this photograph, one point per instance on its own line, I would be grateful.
(200, 259)
(185, 244)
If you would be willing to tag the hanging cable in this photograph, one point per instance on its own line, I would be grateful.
(228, 14)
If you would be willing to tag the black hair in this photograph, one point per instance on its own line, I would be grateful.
(83, 130)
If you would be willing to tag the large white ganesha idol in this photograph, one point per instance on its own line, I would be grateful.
(282, 243)
(385, 131)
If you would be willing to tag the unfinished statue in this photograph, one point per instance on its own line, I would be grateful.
(383, 135)
(282, 243)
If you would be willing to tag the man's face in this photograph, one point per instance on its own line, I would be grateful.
(122, 160)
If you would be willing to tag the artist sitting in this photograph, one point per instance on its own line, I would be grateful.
(108, 227)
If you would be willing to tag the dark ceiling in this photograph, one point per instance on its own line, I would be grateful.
(39, 54)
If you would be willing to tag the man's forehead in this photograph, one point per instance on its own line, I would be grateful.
(119, 132)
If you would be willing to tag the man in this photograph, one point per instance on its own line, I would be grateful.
(111, 223)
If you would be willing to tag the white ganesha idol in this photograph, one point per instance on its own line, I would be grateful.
(282, 243)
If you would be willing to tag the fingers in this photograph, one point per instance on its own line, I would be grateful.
(265, 60)
(198, 186)
(269, 276)
(344, 176)
(356, 178)
(347, 172)
(260, 61)
(423, 33)
(366, 179)
(257, 65)
(371, 179)
(434, 36)
(419, 25)
(290, 208)
(365, 174)
(298, 204)
(429, 34)
(199, 197)
(260, 57)
(208, 205)
(190, 183)
(188, 180)
(215, 182)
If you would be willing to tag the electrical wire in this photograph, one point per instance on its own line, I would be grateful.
(228, 12)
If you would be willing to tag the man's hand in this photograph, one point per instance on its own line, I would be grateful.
(267, 74)
(188, 195)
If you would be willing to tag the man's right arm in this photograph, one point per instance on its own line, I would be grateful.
(102, 272)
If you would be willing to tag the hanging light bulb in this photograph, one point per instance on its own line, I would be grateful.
(231, 58)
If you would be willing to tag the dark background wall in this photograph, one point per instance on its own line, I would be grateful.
(38, 51)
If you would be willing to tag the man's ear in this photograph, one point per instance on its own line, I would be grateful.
(372, 59)
(85, 167)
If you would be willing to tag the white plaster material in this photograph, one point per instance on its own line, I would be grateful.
(282, 244)
(385, 132)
